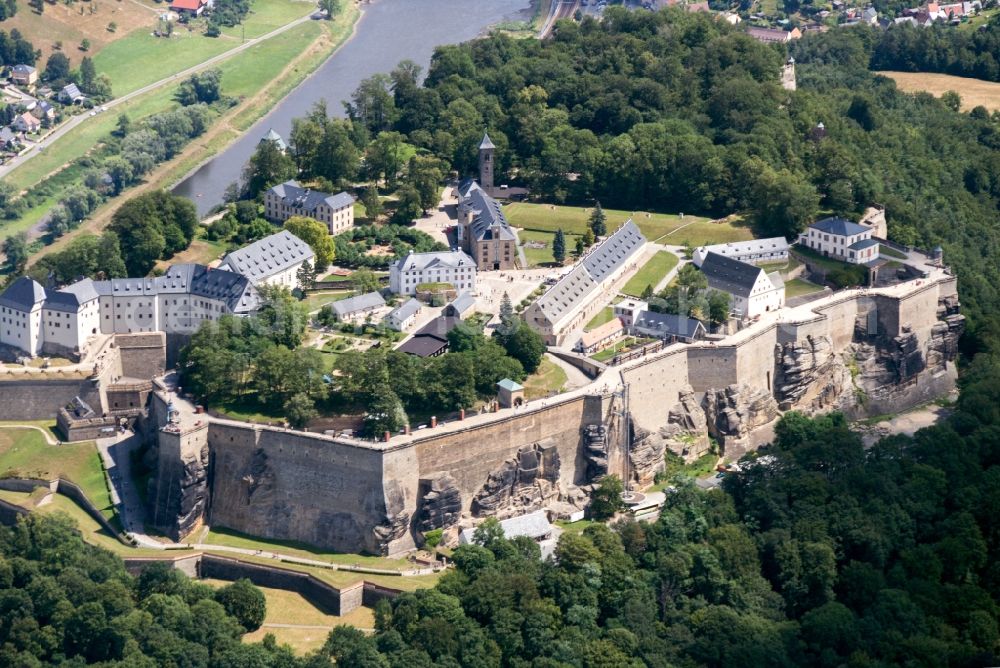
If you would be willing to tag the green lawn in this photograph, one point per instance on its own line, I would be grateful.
(139, 59)
(245, 74)
(891, 252)
(603, 316)
(24, 453)
(317, 300)
(549, 378)
(575, 527)
(825, 263)
(268, 15)
(651, 273)
(543, 256)
(230, 538)
(573, 219)
(798, 287)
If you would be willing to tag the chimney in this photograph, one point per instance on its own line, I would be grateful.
(434, 421)
(386, 436)
(461, 414)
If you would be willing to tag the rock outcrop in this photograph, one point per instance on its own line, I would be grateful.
(646, 456)
(907, 358)
(810, 376)
(440, 502)
(686, 432)
(258, 480)
(523, 483)
(396, 521)
(193, 492)
(595, 450)
(733, 413)
(943, 344)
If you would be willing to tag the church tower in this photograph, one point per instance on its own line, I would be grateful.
(486, 149)
(788, 74)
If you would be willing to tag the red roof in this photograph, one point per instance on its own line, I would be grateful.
(190, 5)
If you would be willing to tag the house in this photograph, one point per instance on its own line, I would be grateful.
(276, 139)
(290, 199)
(453, 267)
(273, 260)
(600, 337)
(8, 139)
(870, 16)
(21, 315)
(26, 123)
(752, 290)
(189, 8)
(668, 327)
(568, 304)
(770, 35)
(462, 307)
(43, 110)
(70, 94)
(841, 239)
(23, 75)
(402, 317)
(430, 340)
(755, 251)
(358, 309)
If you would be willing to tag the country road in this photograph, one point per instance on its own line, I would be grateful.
(77, 120)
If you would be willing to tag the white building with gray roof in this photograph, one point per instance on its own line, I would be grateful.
(358, 309)
(563, 308)
(273, 260)
(453, 267)
(403, 317)
(290, 199)
(752, 290)
(755, 251)
(483, 231)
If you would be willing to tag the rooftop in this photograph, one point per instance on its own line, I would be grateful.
(486, 143)
(839, 226)
(598, 334)
(268, 256)
(406, 310)
(741, 248)
(732, 276)
(369, 300)
(436, 260)
(308, 200)
(668, 324)
(23, 294)
(510, 385)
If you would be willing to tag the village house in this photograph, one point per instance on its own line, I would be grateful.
(43, 111)
(841, 239)
(70, 94)
(462, 307)
(752, 291)
(8, 139)
(773, 35)
(403, 317)
(290, 199)
(273, 260)
(358, 309)
(23, 75)
(26, 123)
(190, 8)
(455, 268)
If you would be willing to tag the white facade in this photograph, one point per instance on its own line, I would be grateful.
(22, 329)
(454, 267)
(273, 260)
(842, 240)
(765, 296)
(290, 199)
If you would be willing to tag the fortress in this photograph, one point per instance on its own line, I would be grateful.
(864, 352)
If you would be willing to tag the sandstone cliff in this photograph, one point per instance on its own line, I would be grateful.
(521, 484)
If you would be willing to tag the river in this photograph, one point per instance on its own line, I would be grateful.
(388, 32)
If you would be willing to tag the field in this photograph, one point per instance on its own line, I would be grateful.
(65, 23)
(549, 378)
(973, 91)
(539, 257)
(665, 227)
(25, 453)
(651, 273)
(317, 300)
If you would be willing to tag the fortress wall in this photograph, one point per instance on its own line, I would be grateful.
(755, 360)
(142, 355)
(471, 454)
(840, 319)
(918, 309)
(294, 486)
(655, 385)
(713, 367)
(42, 399)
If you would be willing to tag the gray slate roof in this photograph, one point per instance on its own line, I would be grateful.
(273, 136)
(839, 226)
(6, 136)
(72, 297)
(729, 275)
(308, 200)
(72, 92)
(486, 143)
(268, 256)
(533, 525)
(369, 300)
(462, 303)
(401, 313)
(446, 259)
(864, 243)
(740, 249)
(488, 223)
(23, 69)
(430, 339)
(668, 324)
(22, 294)
(235, 290)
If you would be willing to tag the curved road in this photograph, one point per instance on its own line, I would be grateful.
(77, 120)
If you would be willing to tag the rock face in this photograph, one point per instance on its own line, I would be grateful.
(736, 411)
(258, 480)
(178, 499)
(193, 492)
(943, 344)
(523, 483)
(396, 521)
(810, 376)
(686, 432)
(907, 360)
(646, 456)
(440, 502)
(595, 450)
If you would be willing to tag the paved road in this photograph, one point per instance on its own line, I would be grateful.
(77, 120)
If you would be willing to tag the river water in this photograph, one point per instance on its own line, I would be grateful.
(388, 32)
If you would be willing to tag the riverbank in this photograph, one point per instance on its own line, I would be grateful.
(257, 78)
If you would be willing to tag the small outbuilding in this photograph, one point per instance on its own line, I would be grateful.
(510, 393)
